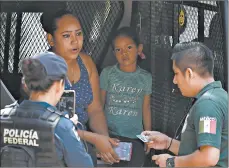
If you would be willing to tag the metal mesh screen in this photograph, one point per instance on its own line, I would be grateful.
(12, 40)
(33, 37)
(167, 108)
(208, 15)
(217, 42)
(145, 36)
(97, 20)
(2, 37)
(11, 37)
(209, 2)
(213, 35)
(191, 31)
(97, 23)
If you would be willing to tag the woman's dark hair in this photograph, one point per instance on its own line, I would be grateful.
(35, 76)
(126, 32)
(48, 20)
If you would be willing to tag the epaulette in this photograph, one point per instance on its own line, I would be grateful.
(51, 114)
(9, 109)
(12, 105)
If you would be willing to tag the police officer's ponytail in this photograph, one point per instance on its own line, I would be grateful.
(35, 75)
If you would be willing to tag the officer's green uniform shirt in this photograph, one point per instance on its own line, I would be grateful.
(125, 93)
(207, 123)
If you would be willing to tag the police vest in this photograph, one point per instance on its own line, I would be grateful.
(31, 128)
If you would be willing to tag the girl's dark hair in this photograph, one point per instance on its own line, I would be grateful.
(126, 32)
(48, 20)
(35, 76)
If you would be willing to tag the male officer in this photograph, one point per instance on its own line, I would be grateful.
(204, 138)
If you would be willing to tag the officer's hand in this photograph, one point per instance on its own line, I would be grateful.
(104, 146)
(161, 159)
(74, 119)
(146, 149)
(157, 140)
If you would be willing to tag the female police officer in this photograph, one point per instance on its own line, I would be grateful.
(44, 76)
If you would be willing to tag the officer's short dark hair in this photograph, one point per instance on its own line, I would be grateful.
(194, 55)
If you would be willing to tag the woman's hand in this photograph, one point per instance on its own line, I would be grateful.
(104, 146)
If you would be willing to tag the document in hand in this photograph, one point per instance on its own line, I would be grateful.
(124, 150)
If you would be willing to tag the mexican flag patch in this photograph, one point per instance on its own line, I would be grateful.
(207, 125)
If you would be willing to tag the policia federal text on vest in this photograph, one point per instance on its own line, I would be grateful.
(27, 137)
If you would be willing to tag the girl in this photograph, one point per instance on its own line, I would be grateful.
(125, 90)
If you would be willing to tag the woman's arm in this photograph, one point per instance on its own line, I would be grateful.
(97, 120)
(147, 113)
(102, 144)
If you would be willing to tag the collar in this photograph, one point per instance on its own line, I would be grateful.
(129, 73)
(212, 85)
(43, 104)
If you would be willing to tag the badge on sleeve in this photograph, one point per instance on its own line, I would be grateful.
(207, 125)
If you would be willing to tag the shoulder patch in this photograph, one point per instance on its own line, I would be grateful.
(207, 125)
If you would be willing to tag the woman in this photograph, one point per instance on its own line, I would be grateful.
(44, 77)
(65, 36)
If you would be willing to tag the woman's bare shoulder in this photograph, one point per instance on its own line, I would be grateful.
(88, 62)
(86, 58)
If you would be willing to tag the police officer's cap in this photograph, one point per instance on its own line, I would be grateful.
(55, 65)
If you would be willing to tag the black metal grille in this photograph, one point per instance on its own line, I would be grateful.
(217, 45)
(33, 37)
(97, 23)
(209, 2)
(165, 112)
(191, 30)
(208, 15)
(2, 37)
(97, 19)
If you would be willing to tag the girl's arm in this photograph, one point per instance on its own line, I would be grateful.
(147, 113)
(103, 97)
